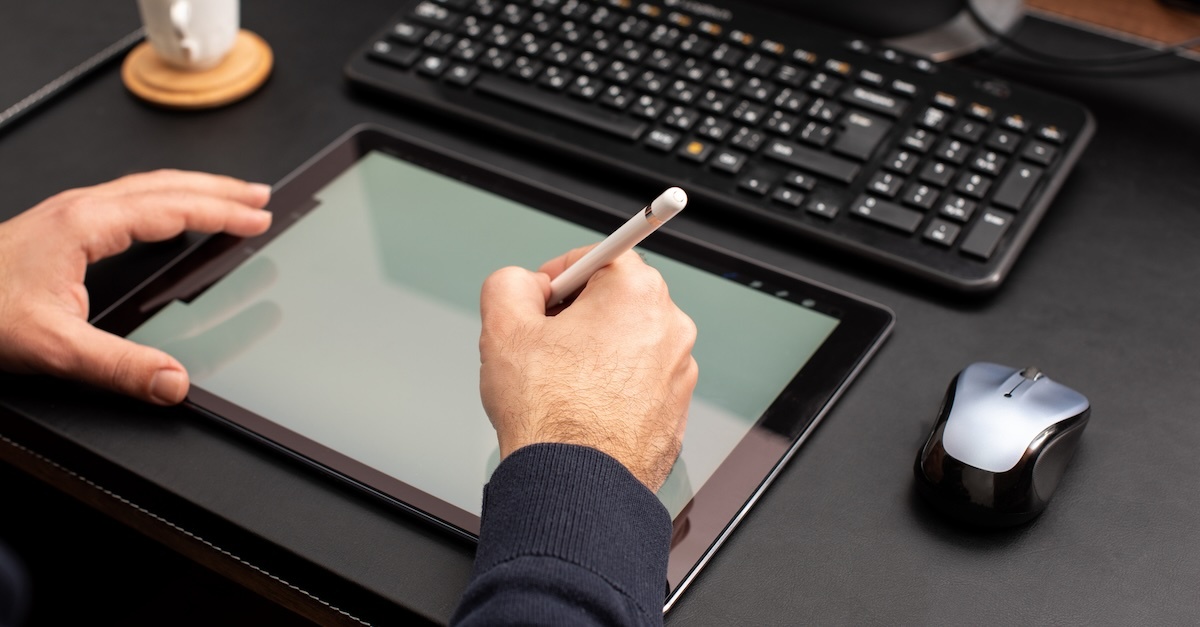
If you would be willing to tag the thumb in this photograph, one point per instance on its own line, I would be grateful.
(115, 363)
(512, 296)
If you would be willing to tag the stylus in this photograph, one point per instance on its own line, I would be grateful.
(643, 223)
(57, 86)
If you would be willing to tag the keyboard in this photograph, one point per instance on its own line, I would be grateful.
(788, 129)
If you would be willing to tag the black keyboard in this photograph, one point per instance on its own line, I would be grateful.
(816, 134)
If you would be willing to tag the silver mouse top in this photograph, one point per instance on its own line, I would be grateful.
(997, 412)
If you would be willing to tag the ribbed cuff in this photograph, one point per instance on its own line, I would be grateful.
(582, 506)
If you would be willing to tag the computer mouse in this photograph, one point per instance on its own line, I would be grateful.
(1001, 442)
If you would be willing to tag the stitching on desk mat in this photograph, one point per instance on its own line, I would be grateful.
(176, 527)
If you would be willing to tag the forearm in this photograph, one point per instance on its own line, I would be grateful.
(569, 536)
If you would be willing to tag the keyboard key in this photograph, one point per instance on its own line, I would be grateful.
(823, 84)
(904, 88)
(980, 112)
(957, 208)
(781, 123)
(647, 107)
(684, 118)
(917, 139)
(748, 113)
(824, 110)
(1004, 141)
(986, 233)
(1014, 189)
(696, 150)
(461, 75)
(1039, 152)
(758, 89)
(555, 78)
(408, 34)
(946, 101)
(754, 184)
(968, 129)
(886, 213)
(1051, 134)
(974, 185)
(937, 173)
(715, 102)
(585, 88)
(800, 181)
(885, 184)
(919, 195)
(933, 119)
(728, 161)
(547, 102)
(952, 150)
(400, 56)
(942, 232)
(816, 134)
(747, 139)
(824, 207)
(616, 97)
(789, 197)
(901, 161)
(988, 162)
(811, 160)
(875, 101)
(1015, 123)
(714, 128)
(861, 135)
(432, 65)
(525, 68)
(662, 139)
(437, 16)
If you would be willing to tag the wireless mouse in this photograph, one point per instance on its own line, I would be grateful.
(1001, 442)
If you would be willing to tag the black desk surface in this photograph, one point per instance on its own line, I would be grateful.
(1104, 299)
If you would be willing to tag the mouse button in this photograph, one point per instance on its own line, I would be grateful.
(982, 379)
(987, 434)
(1054, 402)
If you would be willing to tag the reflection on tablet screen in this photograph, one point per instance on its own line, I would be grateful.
(358, 328)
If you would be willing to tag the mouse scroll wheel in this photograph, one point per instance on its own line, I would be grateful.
(1031, 373)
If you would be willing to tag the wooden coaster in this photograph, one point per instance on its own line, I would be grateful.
(244, 70)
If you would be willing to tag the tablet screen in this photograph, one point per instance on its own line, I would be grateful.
(357, 327)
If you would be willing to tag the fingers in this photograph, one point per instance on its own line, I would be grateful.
(108, 225)
(556, 266)
(511, 296)
(80, 351)
(253, 194)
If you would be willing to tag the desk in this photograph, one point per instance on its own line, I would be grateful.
(1104, 299)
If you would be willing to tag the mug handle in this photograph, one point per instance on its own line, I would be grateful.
(181, 14)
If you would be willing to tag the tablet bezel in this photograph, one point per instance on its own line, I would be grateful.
(717, 506)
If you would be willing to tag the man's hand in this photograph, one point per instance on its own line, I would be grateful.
(613, 370)
(45, 251)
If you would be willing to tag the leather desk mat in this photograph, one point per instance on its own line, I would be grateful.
(1103, 300)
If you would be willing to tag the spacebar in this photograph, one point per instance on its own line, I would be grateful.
(548, 102)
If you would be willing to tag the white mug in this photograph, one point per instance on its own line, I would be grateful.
(191, 34)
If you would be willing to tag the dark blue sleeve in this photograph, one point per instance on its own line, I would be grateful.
(568, 536)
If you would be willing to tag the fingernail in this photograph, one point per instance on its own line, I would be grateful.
(261, 188)
(168, 386)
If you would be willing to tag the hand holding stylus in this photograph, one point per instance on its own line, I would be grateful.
(643, 223)
(613, 371)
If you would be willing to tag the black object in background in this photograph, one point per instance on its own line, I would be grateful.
(1191, 5)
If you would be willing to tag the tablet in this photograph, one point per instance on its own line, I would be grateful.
(347, 335)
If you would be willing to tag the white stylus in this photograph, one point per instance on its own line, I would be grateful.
(666, 206)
